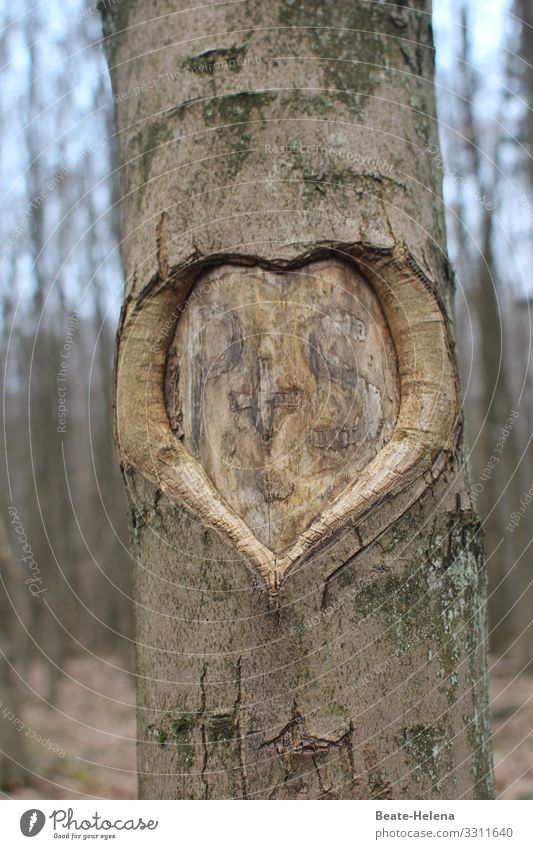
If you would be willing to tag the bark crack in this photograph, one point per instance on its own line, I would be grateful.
(162, 254)
(203, 730)
(239, 725)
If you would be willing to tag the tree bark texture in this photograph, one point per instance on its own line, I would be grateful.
(309, 576)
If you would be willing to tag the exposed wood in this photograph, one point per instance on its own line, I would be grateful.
(210, 442)
(288, 387)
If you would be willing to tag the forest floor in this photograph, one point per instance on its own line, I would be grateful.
(511, 692)
(93, 725)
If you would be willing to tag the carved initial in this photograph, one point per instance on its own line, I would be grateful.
(263, 400)
(287, 388)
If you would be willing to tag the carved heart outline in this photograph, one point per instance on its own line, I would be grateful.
(427, 419)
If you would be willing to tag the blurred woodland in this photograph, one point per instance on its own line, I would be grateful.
(67, 688)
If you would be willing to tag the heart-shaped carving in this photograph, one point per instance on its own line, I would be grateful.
(279, 404)
(285, 386)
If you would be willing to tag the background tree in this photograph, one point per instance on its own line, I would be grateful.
(59, 255)
(485, 161)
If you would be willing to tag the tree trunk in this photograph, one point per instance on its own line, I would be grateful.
(309, 575)
(13, 755)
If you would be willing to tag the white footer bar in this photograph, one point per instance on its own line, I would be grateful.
(254, 824)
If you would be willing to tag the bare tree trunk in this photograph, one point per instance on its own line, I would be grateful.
(13, 755)
(309, 575)
(497, 454)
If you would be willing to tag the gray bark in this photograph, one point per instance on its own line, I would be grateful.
(364, 675)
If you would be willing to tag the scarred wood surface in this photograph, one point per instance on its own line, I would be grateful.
(151, 428)
(284, 386)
